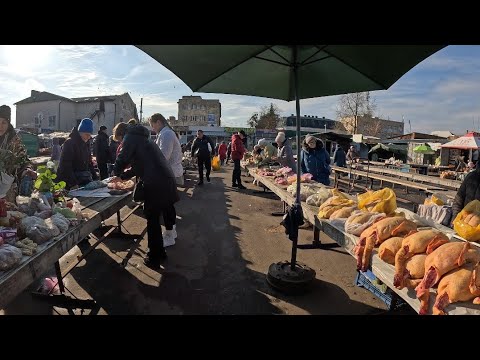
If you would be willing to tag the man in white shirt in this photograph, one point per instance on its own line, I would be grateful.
(169, 144)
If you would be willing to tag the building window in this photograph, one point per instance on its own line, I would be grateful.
(52, 121)
(37, 121)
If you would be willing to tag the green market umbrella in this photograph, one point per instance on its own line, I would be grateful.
(289, 72)
(424, 149)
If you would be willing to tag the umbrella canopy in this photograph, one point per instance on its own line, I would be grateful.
(467, 142)
(289, 72)
(267, 70)
(424, 149)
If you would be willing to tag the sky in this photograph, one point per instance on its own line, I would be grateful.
(440, 93)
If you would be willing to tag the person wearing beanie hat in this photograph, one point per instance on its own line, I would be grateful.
(86, 126)
(269, 150)
(285, 152)
(10, 141)
(76, 165)
(7, 132)
(101, 151)
(315, 160)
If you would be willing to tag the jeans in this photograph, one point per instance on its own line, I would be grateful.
(237, 172)
(208, 166)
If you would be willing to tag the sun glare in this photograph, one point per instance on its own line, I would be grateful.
(24, 59)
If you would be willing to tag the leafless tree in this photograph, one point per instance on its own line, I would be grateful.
(351, 106)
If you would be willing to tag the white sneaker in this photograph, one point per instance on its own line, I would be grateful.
(168, 239)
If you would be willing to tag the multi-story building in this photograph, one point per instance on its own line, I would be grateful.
(373, 126)
(44, 112)
(195, 111)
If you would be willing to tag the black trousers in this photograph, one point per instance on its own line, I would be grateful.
(237, 173)
(154, 228)
(208, 166)
(102, 167)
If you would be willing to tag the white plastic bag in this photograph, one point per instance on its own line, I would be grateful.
(39, 230)
(354, 228)
(6, 182)
(319, 198)
(9, 256)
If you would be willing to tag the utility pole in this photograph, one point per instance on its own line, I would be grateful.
(141, 110)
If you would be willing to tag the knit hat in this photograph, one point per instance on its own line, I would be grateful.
(86, 126)
(5, 112)
(262, 142)
(103, 127)
(309, 138)
(280, 137)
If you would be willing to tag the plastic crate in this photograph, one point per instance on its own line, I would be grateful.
(369, 281)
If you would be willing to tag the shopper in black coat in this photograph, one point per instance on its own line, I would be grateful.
(102, 151)
(75, 166)
(201, 149)
(149, 164)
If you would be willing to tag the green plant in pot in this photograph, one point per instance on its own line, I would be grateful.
(45, 183)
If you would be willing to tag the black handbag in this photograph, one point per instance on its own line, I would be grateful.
(139, 192)
(83, 177)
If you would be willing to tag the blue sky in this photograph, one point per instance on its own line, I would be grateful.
(441, 93)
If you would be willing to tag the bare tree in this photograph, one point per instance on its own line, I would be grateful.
(351, 106)
(267, 118)
(253, 121)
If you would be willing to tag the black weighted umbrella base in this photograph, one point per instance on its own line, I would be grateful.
(293, 282)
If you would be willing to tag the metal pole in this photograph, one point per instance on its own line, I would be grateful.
(299, 158)
(141, 110)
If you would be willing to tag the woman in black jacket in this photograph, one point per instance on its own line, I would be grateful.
(149, 164)
(76, 166)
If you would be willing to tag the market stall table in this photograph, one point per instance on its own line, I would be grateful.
(383, 271)
(96, 210)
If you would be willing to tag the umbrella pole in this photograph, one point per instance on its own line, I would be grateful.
(299, 155)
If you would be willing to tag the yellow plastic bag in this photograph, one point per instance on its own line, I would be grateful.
(216, 163)
(434, 200)
(333, 204)
(467, 222)
(382, 201)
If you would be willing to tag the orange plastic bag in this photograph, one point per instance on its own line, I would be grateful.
(467, 222)
(216, 163)
(381, 201)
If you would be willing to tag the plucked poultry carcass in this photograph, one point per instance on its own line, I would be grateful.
(461, 284)
(442, 260)
(416, 270)
(378, 233)
(389, 248)
(424, 241)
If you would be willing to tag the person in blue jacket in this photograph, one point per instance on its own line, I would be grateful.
(315, 160)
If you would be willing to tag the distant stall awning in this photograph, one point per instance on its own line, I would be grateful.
(467, 142)
(397, 149)
(435, 146)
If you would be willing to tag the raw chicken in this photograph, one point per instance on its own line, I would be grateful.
(444, 259)
(461, 284)
(378, 233)
(424, 241)
(389, 248)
